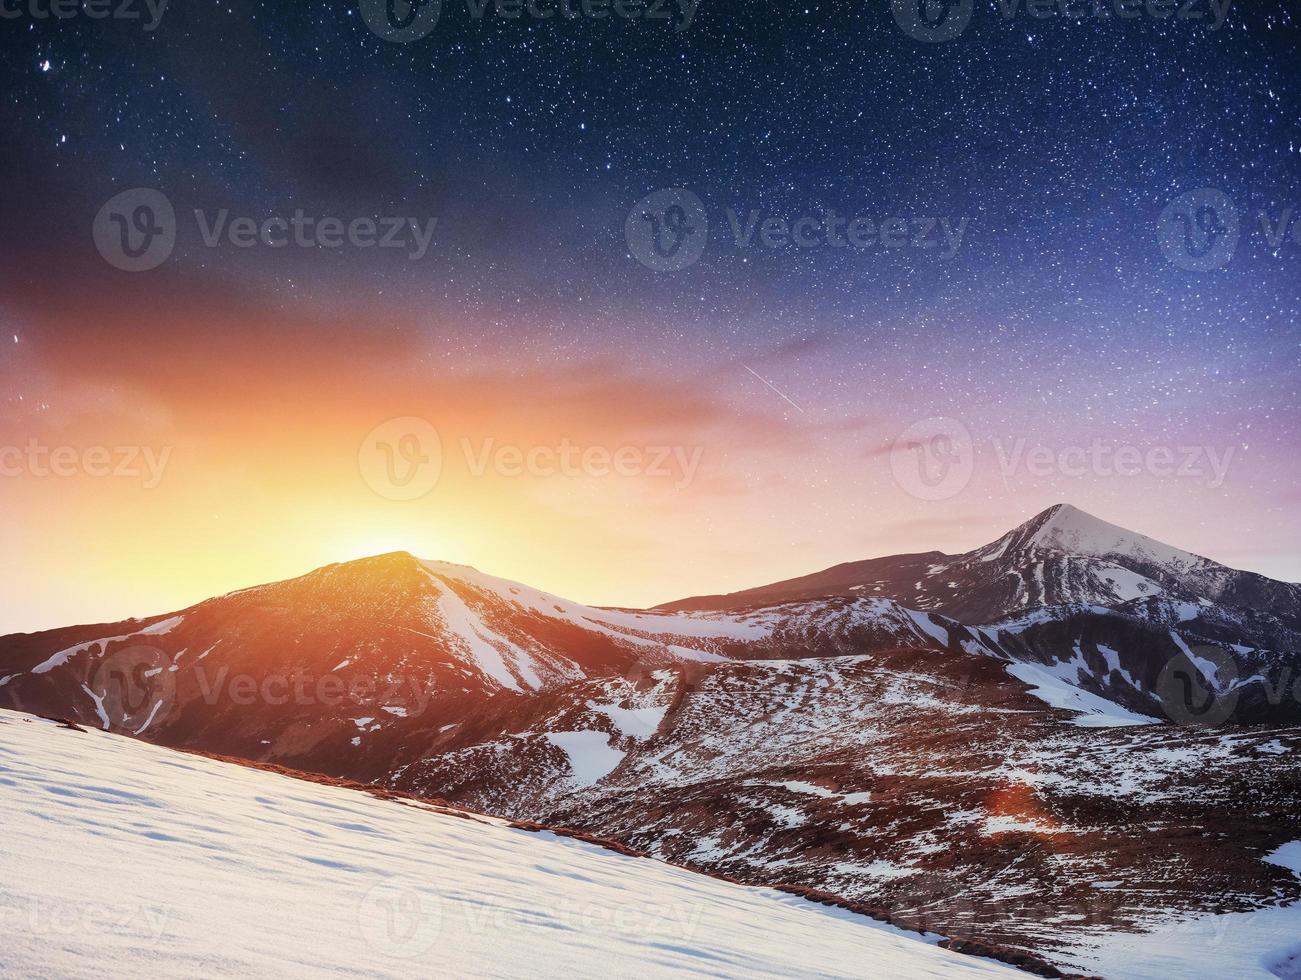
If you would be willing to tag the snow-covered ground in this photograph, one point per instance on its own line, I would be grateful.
(119, 858)
(1052, 685)
(1260, 945)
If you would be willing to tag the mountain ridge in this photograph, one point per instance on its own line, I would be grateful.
(1063, 587)
(1051, 524)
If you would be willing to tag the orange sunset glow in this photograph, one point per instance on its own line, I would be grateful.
(605, 484)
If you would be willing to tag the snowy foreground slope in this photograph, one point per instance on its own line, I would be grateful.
(119, 858)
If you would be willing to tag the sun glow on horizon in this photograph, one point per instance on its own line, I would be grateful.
(241, 503)
(368, 542)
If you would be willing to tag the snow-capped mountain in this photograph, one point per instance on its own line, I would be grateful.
(983, 745)
(1108, 610)
(1061, 556)
(342, 670)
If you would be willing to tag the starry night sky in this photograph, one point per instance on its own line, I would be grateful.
(1059, 320)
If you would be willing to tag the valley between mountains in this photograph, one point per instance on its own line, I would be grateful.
(1066, 743)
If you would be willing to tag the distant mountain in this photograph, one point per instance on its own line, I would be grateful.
(899, 731)
(1059, 557)
(1104, 609)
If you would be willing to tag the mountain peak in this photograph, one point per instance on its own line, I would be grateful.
(1064, 512)
(1067, 519)
(1067, 529)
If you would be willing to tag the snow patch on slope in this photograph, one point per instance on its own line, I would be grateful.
(63, 656)
(591, 757)
(928, 626)
(1127, 585)
(639, 723)
(722, 627)
(98, 699)
(1056, 691)
(484, 646)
